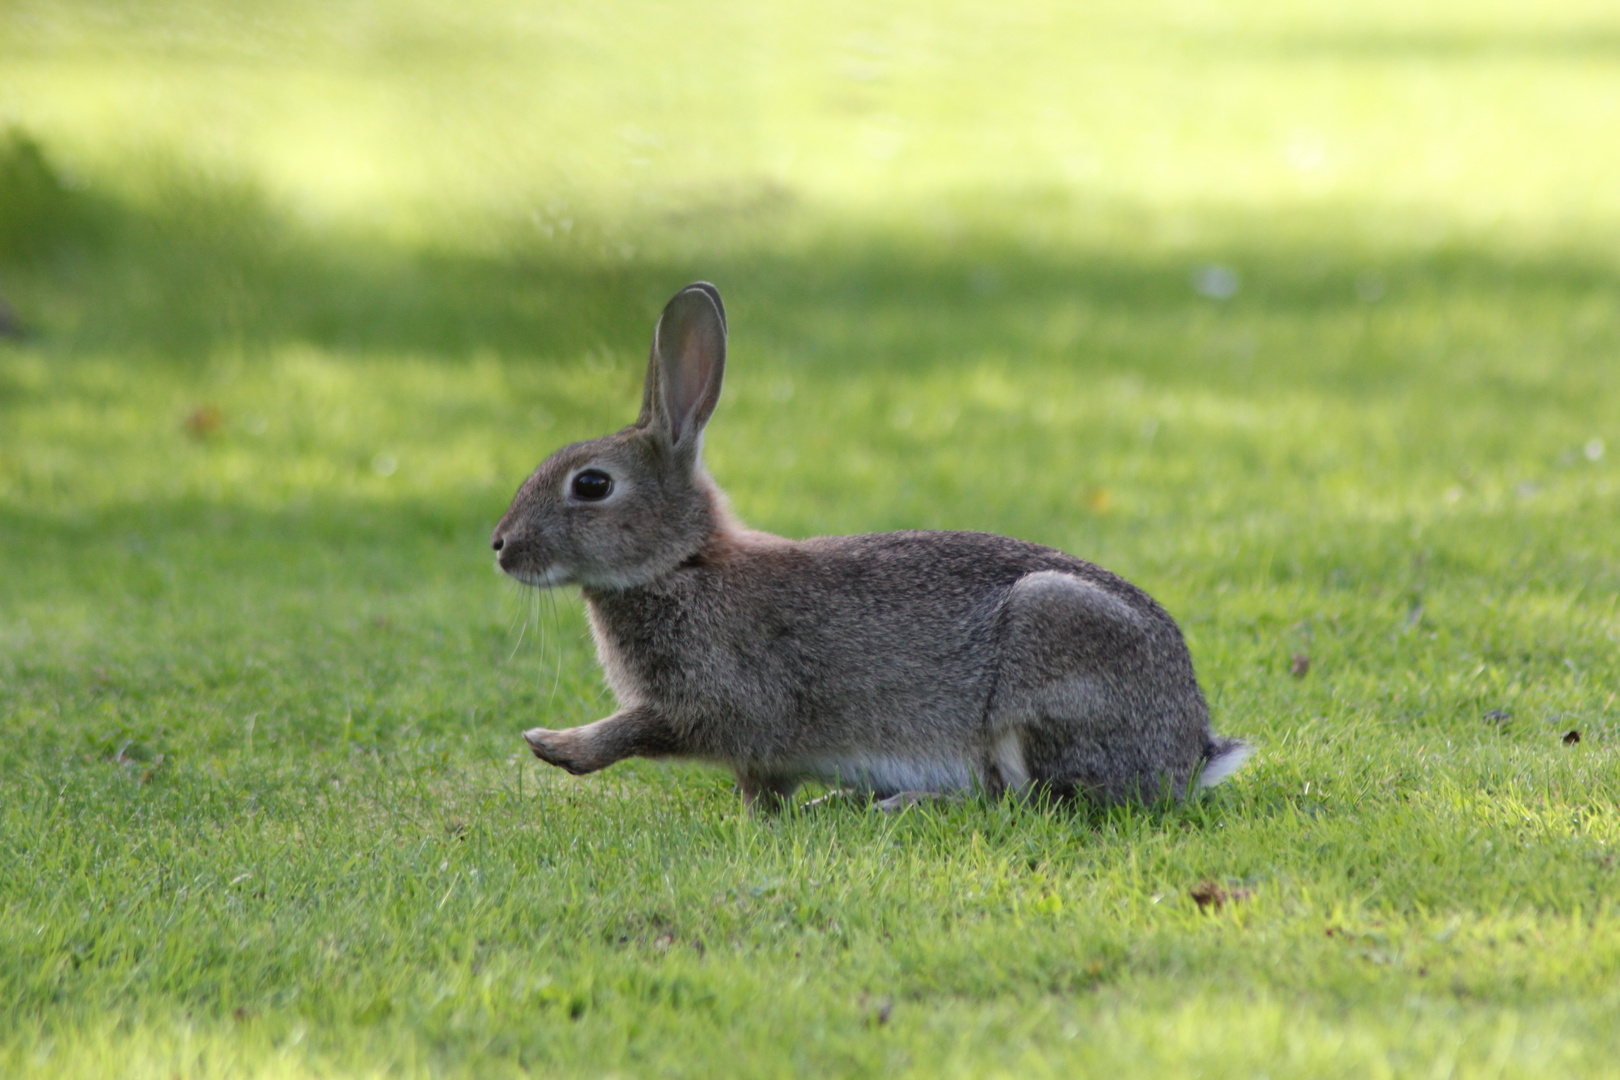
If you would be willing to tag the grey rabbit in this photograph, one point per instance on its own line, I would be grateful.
(902, 665)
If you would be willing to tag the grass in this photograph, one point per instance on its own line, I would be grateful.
(305, 291)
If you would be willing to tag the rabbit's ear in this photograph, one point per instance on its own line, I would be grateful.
(688, 361)
(713, 294)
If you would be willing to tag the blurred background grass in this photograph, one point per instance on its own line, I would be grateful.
(1304, 316)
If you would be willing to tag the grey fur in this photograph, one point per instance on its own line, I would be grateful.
(895, 663)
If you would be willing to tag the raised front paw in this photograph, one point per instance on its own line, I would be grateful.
(564, 749)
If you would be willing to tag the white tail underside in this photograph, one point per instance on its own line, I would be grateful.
(1223, 765)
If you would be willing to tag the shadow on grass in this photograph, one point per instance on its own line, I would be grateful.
(202, 269)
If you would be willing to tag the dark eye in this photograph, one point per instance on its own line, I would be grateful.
(592, 484)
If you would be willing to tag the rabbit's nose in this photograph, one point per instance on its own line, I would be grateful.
(497, 541)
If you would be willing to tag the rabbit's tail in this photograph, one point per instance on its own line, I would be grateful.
(1222, 758)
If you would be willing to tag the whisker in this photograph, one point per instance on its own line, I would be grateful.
(556, 634)
(537, 601)
(522, 630)
(515, 589)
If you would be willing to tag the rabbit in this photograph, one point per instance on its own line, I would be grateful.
(901, 665)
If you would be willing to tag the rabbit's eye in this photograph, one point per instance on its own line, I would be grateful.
(592, 484)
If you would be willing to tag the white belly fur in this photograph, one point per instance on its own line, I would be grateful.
(894, 774)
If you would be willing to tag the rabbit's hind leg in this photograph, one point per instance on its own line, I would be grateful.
(1005, 766)
(1079, 697)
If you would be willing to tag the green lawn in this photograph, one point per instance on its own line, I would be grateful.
(305, 290)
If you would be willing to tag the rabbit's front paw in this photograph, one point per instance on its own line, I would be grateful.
(564, 749)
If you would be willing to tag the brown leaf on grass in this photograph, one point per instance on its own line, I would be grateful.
(151, 770)
(1571, 737)
(878, 1010)
(137, 761)
(1299, 665)
(1210, 896)
(204, 421)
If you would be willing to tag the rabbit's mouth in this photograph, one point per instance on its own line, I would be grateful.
(549, 578)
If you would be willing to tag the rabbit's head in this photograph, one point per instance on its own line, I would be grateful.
(629, 507)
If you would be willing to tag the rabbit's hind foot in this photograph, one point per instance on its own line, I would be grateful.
(839, 797)
(892, 804)
(905, 800)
